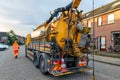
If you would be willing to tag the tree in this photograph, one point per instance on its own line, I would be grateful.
(11, 37)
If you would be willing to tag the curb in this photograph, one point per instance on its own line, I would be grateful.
(106, 62)
(109, 56)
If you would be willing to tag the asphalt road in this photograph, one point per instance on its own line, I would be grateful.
(23, 69)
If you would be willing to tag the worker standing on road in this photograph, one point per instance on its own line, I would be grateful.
(15, 49)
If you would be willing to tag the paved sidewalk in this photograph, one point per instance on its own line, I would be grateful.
(109, 60)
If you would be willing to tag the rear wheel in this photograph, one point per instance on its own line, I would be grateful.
(35, 61)
(42, 65)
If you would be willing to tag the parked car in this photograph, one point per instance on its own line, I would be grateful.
(3, 46)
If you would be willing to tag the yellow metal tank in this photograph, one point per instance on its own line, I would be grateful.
(59, 30)
(67, 30)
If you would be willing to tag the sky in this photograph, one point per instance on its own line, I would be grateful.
(22, 16)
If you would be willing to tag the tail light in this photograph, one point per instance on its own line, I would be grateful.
(56, 62)
(82, 62)
(56, 65)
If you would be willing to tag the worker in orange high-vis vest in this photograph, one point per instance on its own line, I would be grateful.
(15, 49)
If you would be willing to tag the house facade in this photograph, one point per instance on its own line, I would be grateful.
(3, 37)
(21, 39)
(105, 25)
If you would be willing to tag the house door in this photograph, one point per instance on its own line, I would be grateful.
(102, 43)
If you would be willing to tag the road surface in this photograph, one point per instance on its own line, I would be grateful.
(23, 69)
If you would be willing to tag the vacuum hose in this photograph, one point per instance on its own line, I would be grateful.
(56, 11)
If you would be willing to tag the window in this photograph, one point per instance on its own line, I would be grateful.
(110, 18)
(103, 43)
(116, 38)
(89, 24)
(99, 21)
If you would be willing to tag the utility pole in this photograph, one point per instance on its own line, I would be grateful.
(93, 75)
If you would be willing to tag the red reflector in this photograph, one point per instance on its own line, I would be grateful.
(56, 62)
(82, 63)
(58, 67)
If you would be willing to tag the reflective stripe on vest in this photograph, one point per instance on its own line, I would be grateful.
(15, 47)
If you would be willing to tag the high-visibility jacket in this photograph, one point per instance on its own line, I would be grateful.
(15, 46)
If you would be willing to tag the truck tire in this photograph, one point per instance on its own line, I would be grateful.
(42, 65)
(35, 61)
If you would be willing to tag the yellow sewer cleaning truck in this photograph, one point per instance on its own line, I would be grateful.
(60, 45)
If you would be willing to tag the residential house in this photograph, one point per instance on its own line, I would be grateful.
(105, 25)
(3, 37)
(21, 39)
